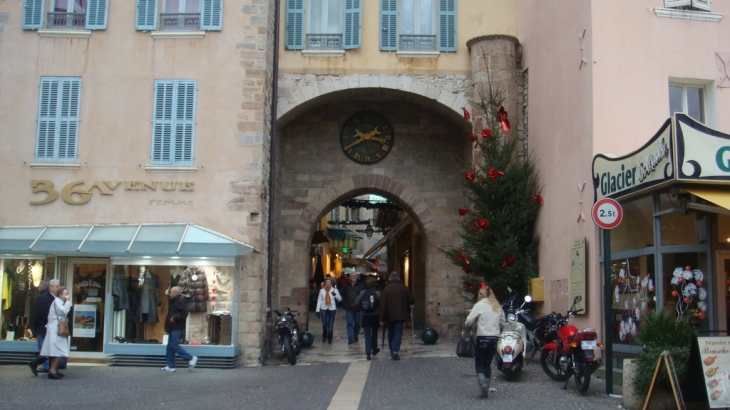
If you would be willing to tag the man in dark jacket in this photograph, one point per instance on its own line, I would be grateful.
(40, 319)
(395, 305)
(174, 325)
(349, 293)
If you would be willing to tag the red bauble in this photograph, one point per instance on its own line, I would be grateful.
(701, 315)
(686, 299)
(503, 118)
(472, 138)
(681, 280)
(469, 175)
(477, 224)
(537, 198)
(687, 267)
(493, 173)
(482, 285)
(463, 211)
(486, 133)
(699, 283)
(466, 113)
(675, 293)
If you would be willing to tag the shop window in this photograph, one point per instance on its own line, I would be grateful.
(180, 15)
(688, 99)
(66, 14)
(636, 229)
(633, 293)
(678, 229)
(173, 122)
(141, 301)
(58, 119)
(20, 281)
(680, 271)
(418, 25)
(723, 228)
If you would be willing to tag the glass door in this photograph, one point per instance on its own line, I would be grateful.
(86, 281)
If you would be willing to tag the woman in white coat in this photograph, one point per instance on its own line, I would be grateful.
(326, 308)
(490, 321)
(55, 346)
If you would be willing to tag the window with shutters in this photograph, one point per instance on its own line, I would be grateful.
(323, 27)
(700, 10)
(65, 14)
(179, 15)
(418, 28)
(173, 122)
(58, 119)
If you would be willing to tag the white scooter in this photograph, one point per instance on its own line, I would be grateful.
(511, 346)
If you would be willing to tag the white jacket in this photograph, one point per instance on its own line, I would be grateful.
(490, 323)
(321, 305)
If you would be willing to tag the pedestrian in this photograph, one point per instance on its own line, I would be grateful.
(490, 320)
(351, 290)
(370, 313)
(326, 308)
(55, 346)
(40, 319)
(395, 305)
(174, 326)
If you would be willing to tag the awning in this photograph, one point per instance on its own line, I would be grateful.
(334, 233)
(717, 197)
(174, 240)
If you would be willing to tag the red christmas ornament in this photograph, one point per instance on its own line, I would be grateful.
(727, 282)
(493, 173)
(537, 198)
(699, 283)
(687, 267)
(472, 138)
(686, 300)
(509, 259)
(466, 113)
(461, 258)
(482, 285)
(675, 293)
(681, 280)
(469, 176)
(463, 211)
(503, 118)
(477, 224)
(486, 133)
(701, 315)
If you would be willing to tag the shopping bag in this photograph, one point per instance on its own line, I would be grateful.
(465, 347)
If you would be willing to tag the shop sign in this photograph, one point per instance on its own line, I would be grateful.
(78, 193)
(715, 356)
(703, 154)
(650, 165)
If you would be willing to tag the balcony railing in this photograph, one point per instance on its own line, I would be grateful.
(417, 43)
(66, 21)
(179, 21)
(324, 42)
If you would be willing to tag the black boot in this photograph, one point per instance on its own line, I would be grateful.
(483, 381)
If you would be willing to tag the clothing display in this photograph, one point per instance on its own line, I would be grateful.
(194, 288)
(120, 291)
(148, 297)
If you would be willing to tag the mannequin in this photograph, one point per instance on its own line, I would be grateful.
(175, 274)
(148, 296)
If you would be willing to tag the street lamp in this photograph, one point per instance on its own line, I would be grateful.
(369, 231)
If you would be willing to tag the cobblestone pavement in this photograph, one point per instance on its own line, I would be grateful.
(423, 383)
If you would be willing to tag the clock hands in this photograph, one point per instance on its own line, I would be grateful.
(370, 136)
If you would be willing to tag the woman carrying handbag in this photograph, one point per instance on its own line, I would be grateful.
(55, 345)
(490, 320)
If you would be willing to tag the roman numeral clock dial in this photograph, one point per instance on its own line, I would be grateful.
(366, 137)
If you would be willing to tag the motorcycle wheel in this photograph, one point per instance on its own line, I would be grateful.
(508, 373)
(289, 351)
(582, 375)
(554, 372)
(297, 348)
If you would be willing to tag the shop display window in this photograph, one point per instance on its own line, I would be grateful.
(20, 283)
(140, 303)
(678, 229)
(723, 228)
(636, 229)
(634, 295)
(685, 283)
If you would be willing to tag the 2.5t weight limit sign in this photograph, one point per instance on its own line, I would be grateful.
(607, 213)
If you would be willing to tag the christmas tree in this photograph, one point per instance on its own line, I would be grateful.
(499, 246)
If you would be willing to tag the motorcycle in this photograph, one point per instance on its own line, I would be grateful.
(539, 331)
(572, 354)
(287, 333)
(511, 345)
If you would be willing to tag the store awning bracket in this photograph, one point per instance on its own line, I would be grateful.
(182, 239)
(133, 238)
(85, 238)
(38, 237)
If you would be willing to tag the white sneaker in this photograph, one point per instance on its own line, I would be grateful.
(167, 369)
(192, 363)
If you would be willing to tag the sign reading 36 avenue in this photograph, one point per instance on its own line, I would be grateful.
(75, 193)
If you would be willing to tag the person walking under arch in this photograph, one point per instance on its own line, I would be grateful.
(395, 306)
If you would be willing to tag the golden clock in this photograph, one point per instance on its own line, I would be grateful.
(366, 137)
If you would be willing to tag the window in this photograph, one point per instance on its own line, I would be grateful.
(687, 99)
(58, 119)
(180, 15)
(173, 122)
(330, 25)
(66, 14)
(418, 25)
(703, 5)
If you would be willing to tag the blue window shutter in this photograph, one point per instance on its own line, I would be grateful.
(68, 129)
(447, 25)
(353, 24)
(146, 18)
(185, 122)
(294, 30)
(47, 116)
(212, 16)
(58, 119)
(96, 14)
(162, 122)
(173, 122)
(33, 14)
(389, 24)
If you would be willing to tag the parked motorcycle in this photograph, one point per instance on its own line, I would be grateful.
(287, 333)
(511, 345)
(572, 354)
(539, 331)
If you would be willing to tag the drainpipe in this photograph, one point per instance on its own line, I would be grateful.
(272, 159)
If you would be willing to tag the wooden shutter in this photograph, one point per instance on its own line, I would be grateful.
(47, 118)
(68, 127)
(162, 122)
(184, 122)
(58, 119)
(294, 30)
(353, 24)
(96, 14)
(212, 16)
(173, 123)
(389, 24)
(447, 25)
(33, 14)
(146, 18)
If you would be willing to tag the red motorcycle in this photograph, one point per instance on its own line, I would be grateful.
(572, 354)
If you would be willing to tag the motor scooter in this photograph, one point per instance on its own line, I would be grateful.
(511, 345)
(572, 354)
(539, 331)
(287, 333)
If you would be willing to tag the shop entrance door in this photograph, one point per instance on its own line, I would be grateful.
(86, 281)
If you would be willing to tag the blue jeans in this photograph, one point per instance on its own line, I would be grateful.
(353, 323)
(173, 347)
(328, 323)
(395, 334)
(485, 348)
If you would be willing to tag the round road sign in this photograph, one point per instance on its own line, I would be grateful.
(607, 213)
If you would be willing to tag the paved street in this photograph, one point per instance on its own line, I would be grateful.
(423, 383)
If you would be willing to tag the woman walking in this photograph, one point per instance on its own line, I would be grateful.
(490, 321)
(55, 346)
(326, 308)
(370, 314)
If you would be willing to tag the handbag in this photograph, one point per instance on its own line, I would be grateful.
(465, 347)
(62, 329)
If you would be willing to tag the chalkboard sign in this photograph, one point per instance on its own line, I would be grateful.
(666, 358)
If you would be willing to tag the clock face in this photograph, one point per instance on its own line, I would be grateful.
(366, 137)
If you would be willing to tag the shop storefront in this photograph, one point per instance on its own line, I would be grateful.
(672, 249)
(119, 277)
